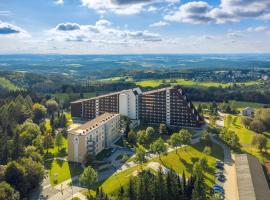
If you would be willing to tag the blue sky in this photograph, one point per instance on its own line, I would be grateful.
(134, 26)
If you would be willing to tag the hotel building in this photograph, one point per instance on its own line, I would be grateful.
(169, 105)
(93, 136)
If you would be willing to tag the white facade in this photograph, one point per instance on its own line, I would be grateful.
(128, 103)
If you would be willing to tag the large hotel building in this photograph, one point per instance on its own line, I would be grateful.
(167, 105)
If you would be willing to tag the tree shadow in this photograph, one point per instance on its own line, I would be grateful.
(62, 152)
(48, 164)
(188, 166)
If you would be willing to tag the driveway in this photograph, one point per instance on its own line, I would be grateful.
(230, 185)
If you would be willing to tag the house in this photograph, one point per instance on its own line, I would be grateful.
(249, 112)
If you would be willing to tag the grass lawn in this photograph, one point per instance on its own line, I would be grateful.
(245, 137)
(183, 161)
(186, 157)
(60, 171)
(61, 152)
(190, 83)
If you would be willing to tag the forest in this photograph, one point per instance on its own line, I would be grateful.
(29, 126)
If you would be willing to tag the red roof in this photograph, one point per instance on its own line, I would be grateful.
(267, 166)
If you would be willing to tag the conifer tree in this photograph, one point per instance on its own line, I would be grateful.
(131, 190)
(121, 193)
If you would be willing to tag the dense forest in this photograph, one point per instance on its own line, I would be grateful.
(28, 128)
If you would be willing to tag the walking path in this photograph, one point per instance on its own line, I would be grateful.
(230, 185)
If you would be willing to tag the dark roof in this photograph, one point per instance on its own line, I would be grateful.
(251, 180)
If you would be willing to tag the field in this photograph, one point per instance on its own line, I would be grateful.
(190, 83)
(183, 161)
(245, 136)
(239, 104)
(64, 96)
(59, 170)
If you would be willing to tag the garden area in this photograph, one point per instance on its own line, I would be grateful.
(60, 170)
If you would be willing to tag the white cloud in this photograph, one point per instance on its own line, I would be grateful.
(5, 13)
(100, 32)
(192, 12)
(115, 6)
(258, 29)
(152, 9)
(10, 30)
(158, 24)
(197, 12)
(59, 2)
(124, 7)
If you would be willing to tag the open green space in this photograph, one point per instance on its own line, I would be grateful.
(190, 83)
(59, 170)
(238, 104)
(182, 161)
(245, 136)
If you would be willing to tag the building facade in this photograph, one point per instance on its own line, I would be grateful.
(93, 136)
(167, 105)
(124, 102)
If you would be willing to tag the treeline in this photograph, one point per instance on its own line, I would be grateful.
(97, 87)
(256, 93)
(27, 129)
(36, 82)
(161, 186)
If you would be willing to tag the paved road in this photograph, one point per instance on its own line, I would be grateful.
(230, 185)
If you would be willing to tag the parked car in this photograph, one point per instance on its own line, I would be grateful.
(218, 166)
(221, 178)
(218, 190)
(218, 162)
(218, 173)
(217, 186)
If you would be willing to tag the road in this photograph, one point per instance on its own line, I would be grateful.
(230, 185)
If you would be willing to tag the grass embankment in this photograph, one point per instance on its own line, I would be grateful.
(182, 161)
(245, 136)
(59, 170)
(190, 83)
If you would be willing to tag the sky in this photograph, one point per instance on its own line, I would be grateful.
(134, 26)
